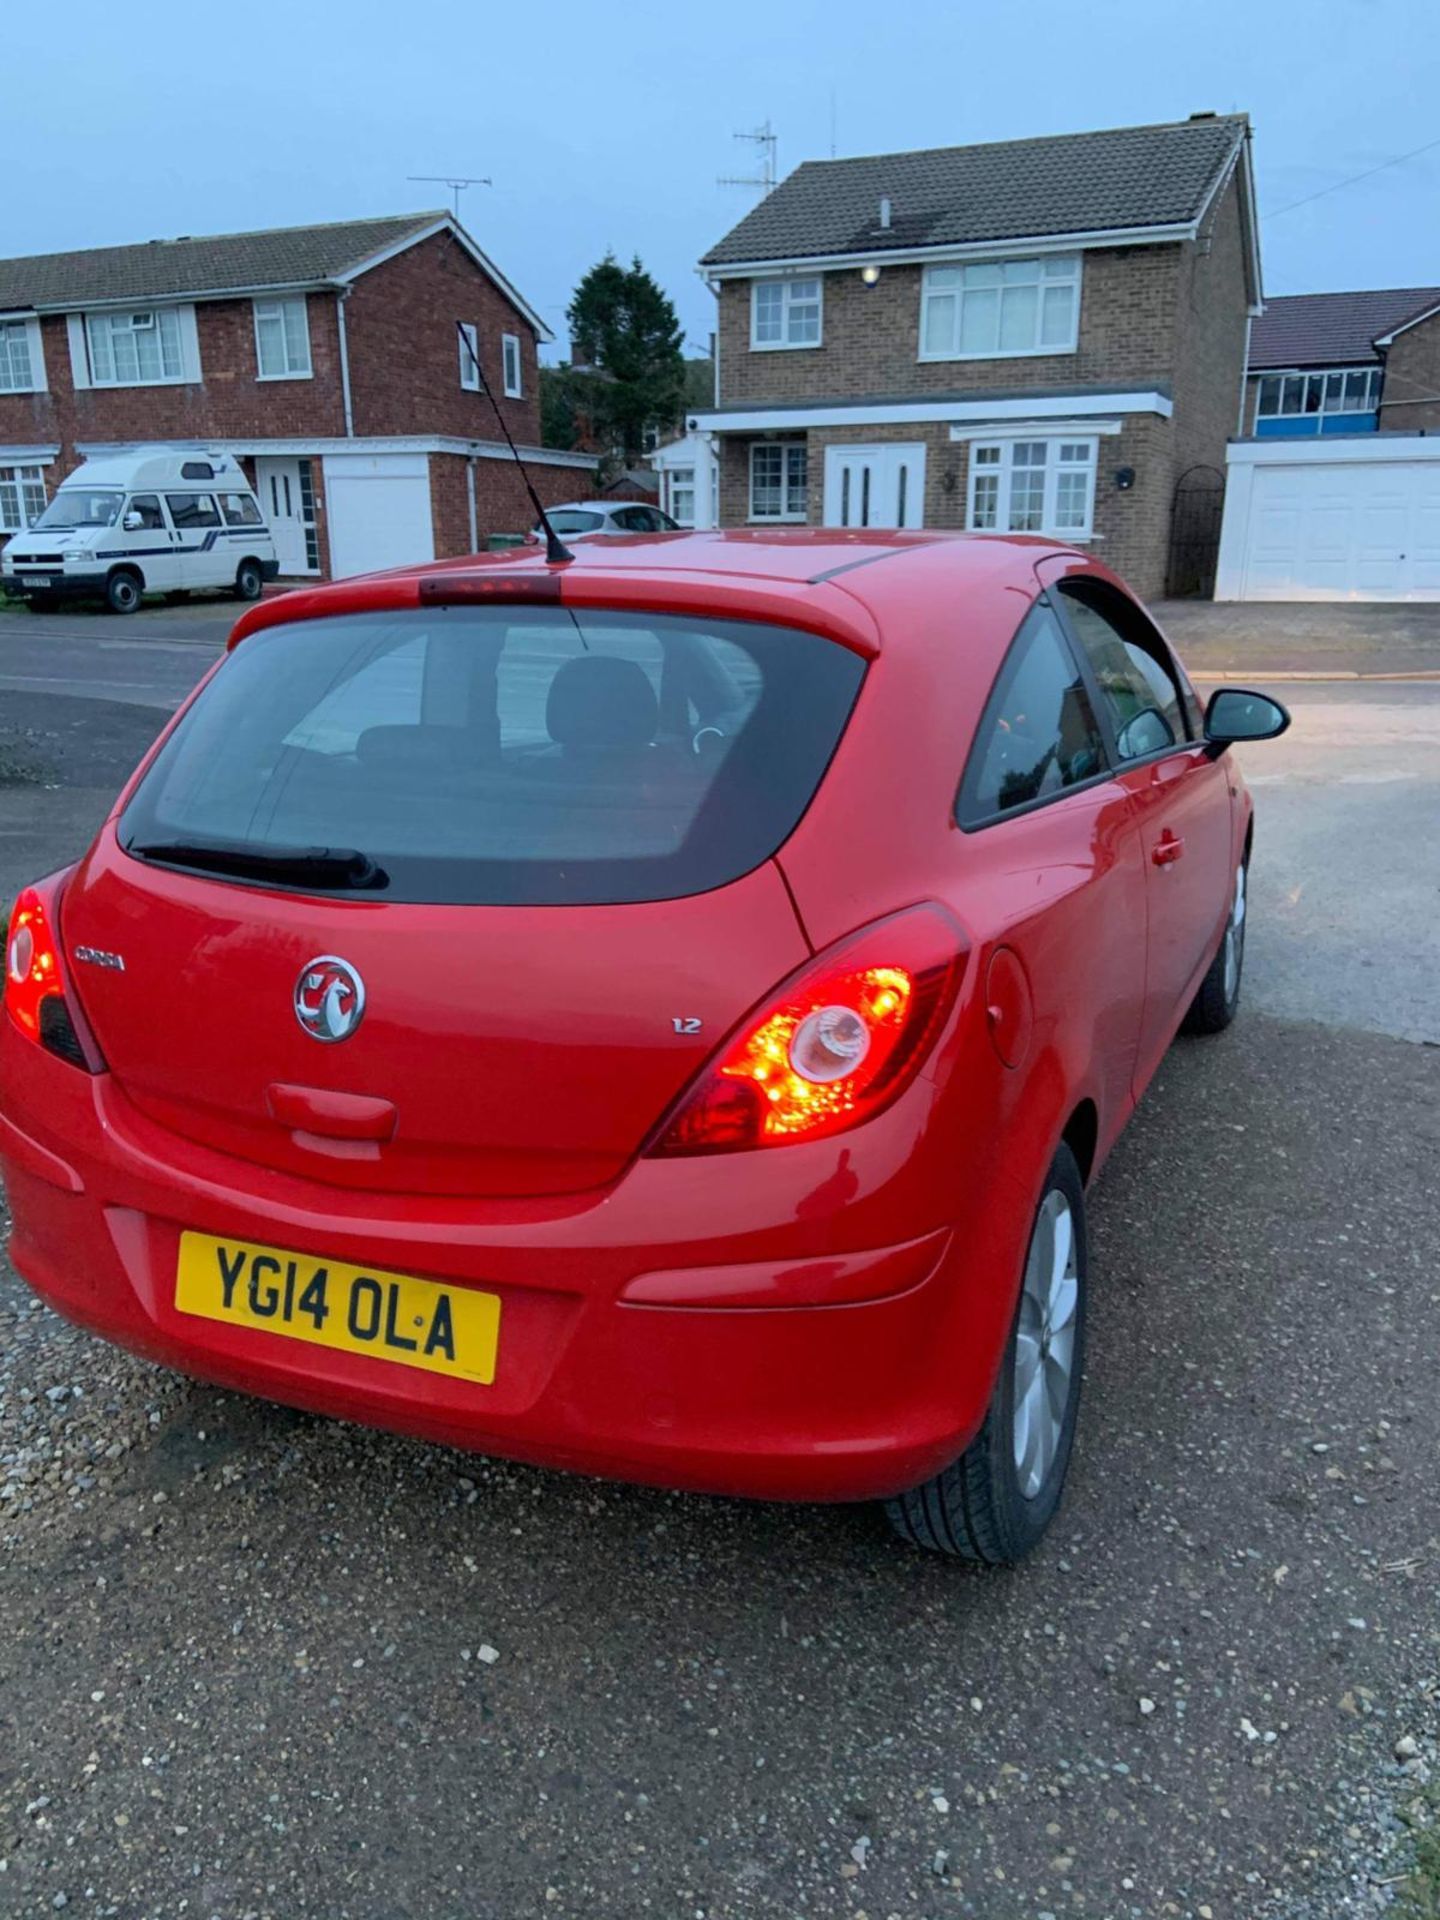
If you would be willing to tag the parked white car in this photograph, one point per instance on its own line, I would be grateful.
(580, 517)
(158, 520)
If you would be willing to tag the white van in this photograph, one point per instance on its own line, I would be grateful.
(158, 520)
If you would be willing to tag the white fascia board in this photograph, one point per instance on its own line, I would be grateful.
(1383, 339)
(1024, 429)
(1028, 244)
(28, 457)
(320, 444)
(134, 304)
(1337, 449)
(482, 260)
(1065, 406)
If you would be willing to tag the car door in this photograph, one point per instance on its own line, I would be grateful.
(1053, 851)
(1180, 793)
(197, 521)
(151, 541)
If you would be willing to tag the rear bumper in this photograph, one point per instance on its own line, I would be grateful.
(871, 1373)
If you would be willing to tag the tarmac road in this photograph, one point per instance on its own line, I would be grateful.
(246, 1656)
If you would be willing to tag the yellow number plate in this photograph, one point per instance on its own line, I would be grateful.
(389, 1316)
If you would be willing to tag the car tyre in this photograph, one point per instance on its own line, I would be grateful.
(994, 1503)
(1218, 999)
(249, 581)
(122, 593)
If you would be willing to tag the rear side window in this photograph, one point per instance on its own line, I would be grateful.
(508, 755)
(1140, 694)
(1038, 735)
(192, 510)
(240, 509)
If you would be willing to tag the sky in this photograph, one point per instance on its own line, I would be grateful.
(607, 127)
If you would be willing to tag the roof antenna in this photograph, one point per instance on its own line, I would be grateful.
(556, 552)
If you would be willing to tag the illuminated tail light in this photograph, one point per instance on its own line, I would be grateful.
(834, 1046)
(35, 984)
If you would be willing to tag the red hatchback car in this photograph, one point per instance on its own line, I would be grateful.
(656, 1015)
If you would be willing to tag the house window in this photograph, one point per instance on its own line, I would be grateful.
(282, 339)
(22, 497)
(16, 373)
(1032, 486)
(995, 308)
(135, 349)
(680, 495)
(784, 313)
(510, 346)
(1304, 401)
(778, 480)
(469, 357)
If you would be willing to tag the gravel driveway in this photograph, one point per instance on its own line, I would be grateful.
(254, 1663)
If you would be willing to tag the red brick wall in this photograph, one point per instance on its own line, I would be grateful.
(405, 353)
(227, 402)
(501, 502)
(404, 359)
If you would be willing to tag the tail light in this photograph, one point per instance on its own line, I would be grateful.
(35, 983)
(837, 1043)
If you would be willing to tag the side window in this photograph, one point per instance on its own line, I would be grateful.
(240, 509)
(189, 510)
(1139, 690)
(1038, 735)
(147, 505)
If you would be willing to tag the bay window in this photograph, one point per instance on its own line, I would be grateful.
(22, 498)
(992, 309)
(1032, 486)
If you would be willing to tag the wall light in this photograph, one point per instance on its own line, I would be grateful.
(870, 275)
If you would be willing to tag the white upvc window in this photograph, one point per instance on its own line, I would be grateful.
(22, 497)
(22, 366)
(784, 313)
(779, 487)
(1032, 486)
(680, 495)
(1000, 309)
(282, 339)
(511, 366)
(469, 350)
(137, 349)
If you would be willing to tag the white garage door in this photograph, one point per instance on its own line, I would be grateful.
(1343, 531)
(378, 509)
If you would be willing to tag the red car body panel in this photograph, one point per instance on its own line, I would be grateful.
(816, 1320)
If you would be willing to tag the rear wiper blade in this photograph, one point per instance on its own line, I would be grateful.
(290, 866)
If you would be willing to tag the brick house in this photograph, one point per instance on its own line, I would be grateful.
(1040, 335)
(326, 358)
(1328, 363)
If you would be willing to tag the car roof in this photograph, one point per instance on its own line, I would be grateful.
(854, 584)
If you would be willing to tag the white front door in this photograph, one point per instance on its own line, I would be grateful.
(286, 492)
(882, 486)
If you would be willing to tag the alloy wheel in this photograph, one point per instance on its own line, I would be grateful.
(1045, 1343)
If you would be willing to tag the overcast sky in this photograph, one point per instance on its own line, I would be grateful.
(606, 126)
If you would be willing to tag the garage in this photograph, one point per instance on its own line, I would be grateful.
(1333, 520)
(378, 506)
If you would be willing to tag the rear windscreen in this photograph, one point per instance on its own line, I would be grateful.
(507, 755)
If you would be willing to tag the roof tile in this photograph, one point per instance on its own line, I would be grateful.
(1332, 329)
(1006, 190)
(170, 269)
